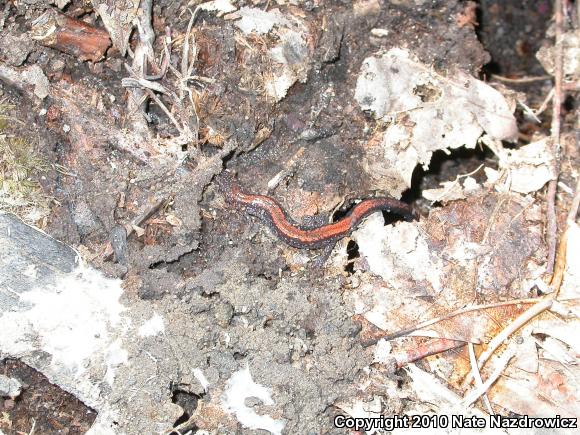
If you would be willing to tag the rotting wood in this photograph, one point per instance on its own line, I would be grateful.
(69, 35)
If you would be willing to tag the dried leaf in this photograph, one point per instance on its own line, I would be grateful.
(288, 60)
(571, 55)
(426, 112)
(530, 166)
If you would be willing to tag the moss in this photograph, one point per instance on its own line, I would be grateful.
(20, 166)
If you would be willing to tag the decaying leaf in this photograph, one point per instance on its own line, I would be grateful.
(259, 21)
(530, 167)
(32, 76)
(221, 7)
(434, 394)
(571, 55)
(478, 248)
(527, 170)
(452, 190)
(288, 59)
(551, 389)
(425, 112)
(398, 254)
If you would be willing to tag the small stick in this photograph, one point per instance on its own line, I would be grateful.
(560, 265)
(545, 103)
(574, 86)
(451, 186)
(520, 321)
(137, 103)
(477, 376)
(477, 392)
(529, 111)
(149, 211)
(129, 82)
(521, 80)
(164, 63)
(160, 103)
(137, 221)
(432, 347)
(552, 225)
(186, 65)
(457, 313)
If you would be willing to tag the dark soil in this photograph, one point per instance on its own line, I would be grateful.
(42, 407)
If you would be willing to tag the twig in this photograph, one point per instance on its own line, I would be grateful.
(578, 19)
(160, 103)
(130, 82)
(573, 86)
(529, 111)
(521, 80)
(455, 182)
(70, 35)
(150, 86)
(137, 103)
(552, 225)
(545, 103)
(189, 422)
(477, 376)
(502, 364)
(431, 347)
(457, 313)
(136, 222)
(63, 170)
(199, 79)
(560, 265)
(166, 59)
(564, 187)
(520, 321)
(186, 65)
(188, 129)
(573, 212)
(148, 212)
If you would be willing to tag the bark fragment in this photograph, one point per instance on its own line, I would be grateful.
(69, 35)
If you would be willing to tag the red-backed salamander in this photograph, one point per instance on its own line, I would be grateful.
(270, 212)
